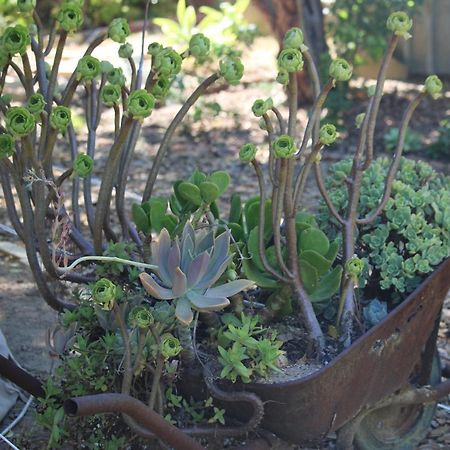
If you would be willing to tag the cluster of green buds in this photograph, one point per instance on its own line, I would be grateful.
(119, 30)
(110, 94)
(15, 40)
(340, 70)
(433, 86)
(400, 23)
(19, 121)
(104, 294)
(88, 68)
(83, 165)
(60, 118)
(126, 50)
(6, 146)
(115, 76)
(70, 16)
(170, 346)
(247, 153)
(154, 48)
(284, 146)
(167, 62)
(36, 104)
(161, 87)
(231, 69)
(140, 104)
(141, 317)
(327, 134)
(290, 58)
(260, 107)
(199, 46)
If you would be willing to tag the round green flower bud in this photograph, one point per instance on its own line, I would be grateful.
(247, 152)
(170, 346)
(154, 48)
(88, 68)
(293, 38)
(260, 107)
(354, 266)
(141, 317)
(70, 17)
(284, 146)
(119, 30)
(26, 6)
(290, 59)
(106, 67)
(433, 86)
(36, 104)
(167, 62)
(110, 94)
(400, 23)
(104, 294)
(199, 46)
(231, 69)
(60, 118)
(7, 148)
(19, 121)
(140, 104)
(116, 76)
(340, 70)
(15, 40)
(125, 50)
(283, 77)
(359, 119)
(161, 88)
(83, 165)
(327, 134)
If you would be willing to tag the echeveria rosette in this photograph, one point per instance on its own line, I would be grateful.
(116, 76)
(154, 48)
(15, 40)
(83, 165)
(141, 317)
(88, 68)
(231, 69)
(60, 118)
(26, 6)
(167, 62)
(110, 94)
(105, 294)
(119, 30)
(260, 106)
(327, 134)
(284, 146)
(70, 16)
(340, 70)
(161, 87)
(282, 77)
(19, 121)
(125, 50)
(433, 86)
(140, 104)
(247, 153)
(36, 104)
(199, 46)
(293, 38)
(170, 346)
(7, 147)
(290, 60)
(400, 23)
(188, 269)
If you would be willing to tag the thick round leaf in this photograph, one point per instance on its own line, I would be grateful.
(328, 286)
(260, 278)
(313, 239)
(221, 179)
(197, 178)
(140, 218)
(321, 264)
(235, 208)
(190, 192)
(309, 276)
(209, 192)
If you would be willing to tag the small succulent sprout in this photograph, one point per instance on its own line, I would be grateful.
(26, 6)
(106, 67)
(60, 118)
(88, 68)
(290, 60)
(141, 317)
(328, 134)
(170, 346)
(340, 70)
(199, 46)
(283, 77)
(19, 121)
(247, 152)
(284, 146)
(126, 50)
(161, 88)
(354, 266)
(104, 294)
(119, 30)
(116, 76)
(293, 38)
(260, 107)
(140, 104)
(36, 104)
(375, 312)
(83, 165)
(359, 119)
(70, 17)
(231, 69)
(400, 23)
(188, 269)
(167, 62)
(7, 148)
(433, 86)
(154, 48)
(110, 94)
(15, 40)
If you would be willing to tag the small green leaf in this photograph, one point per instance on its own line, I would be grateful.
(313, 239)
(190, 192)
(197, 177)
(261, 279)
(328, 286)
(221, 179)
(332, 252)
(214, 210)
(321, 264)
(140, 218)
(236, 231)
(181, 10)
(253, 248)
(309, 275)
(235, 208)
(209, 192)
(157, 212)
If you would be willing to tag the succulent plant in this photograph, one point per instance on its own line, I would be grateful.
(188, 268)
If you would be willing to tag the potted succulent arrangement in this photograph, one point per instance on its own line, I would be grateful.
(166, 309)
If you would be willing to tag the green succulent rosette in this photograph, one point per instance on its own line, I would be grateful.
(110, 94)
(199, 46)
(70, 16)
(290, 60)
(141, 317)
(354, 266)
(83, 165)
(19, 121)
(167, 62)
(126, 50)
(104, 294)
(433, 86)
(26, 6)
(283, 77)
(293, 38)
(340, 70)
(119, 30)
(260, 107)
(36, 104)
(116, 76)
(161, 88)
(106, 67)
(231, 69)
(170, 346)
(60, 118)
(88, 68)
(7, 148)
(140, 104)
(327, 134)
(284, 146)
(400, 23)
(247, 152)
(154, 48)
(15, 40)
